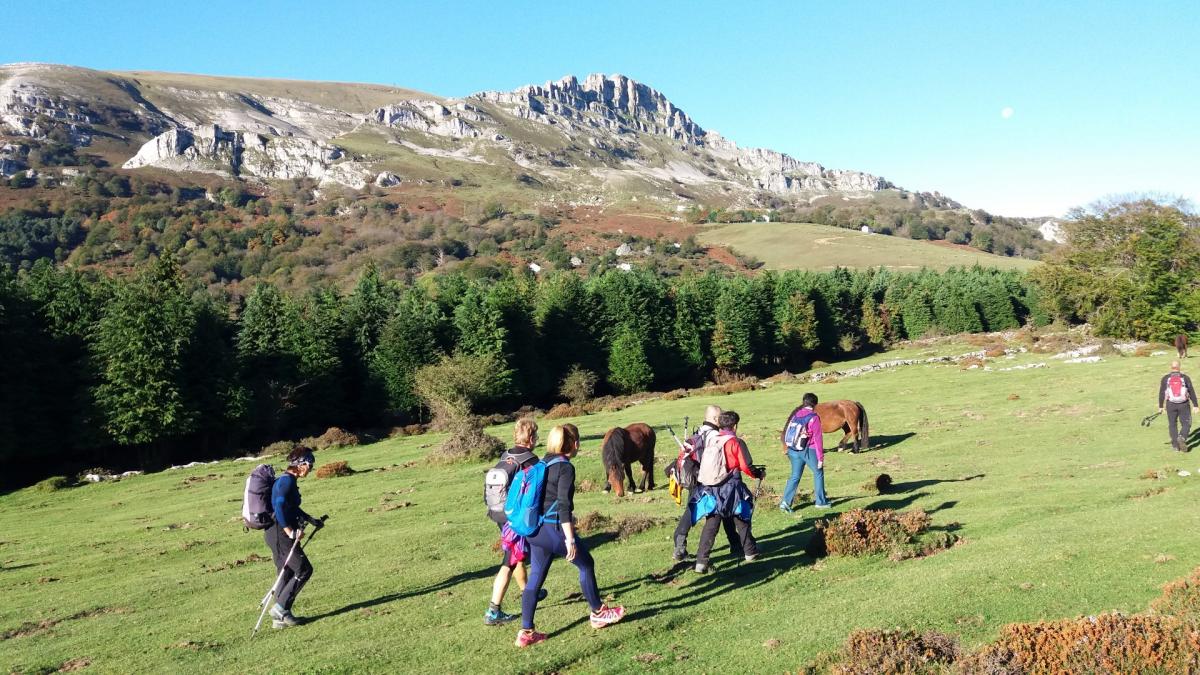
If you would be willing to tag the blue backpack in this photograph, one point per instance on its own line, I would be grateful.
(523, 506)
(796, 434)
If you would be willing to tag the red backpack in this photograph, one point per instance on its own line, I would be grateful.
(1177, 391)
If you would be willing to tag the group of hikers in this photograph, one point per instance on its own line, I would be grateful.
(531, 500)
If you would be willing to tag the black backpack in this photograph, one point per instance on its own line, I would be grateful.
(257, 513)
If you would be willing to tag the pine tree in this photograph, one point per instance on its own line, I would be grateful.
(873, 325)
(628, 368)
(480, 328)
(408, 342)
(268, 348)
(139, 346)
(734, 335)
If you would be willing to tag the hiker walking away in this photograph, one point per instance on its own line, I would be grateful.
(514, 549)
(281, 535)
(555, 537)
(723, 497)
(696, 443)
(1175, 391)
(804, 445)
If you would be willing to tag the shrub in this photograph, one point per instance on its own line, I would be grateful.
(881, 485)
(864, 532)
(578, 386)
(467, 442)
(970, 362)
(867, 652)
(1181, 599)
(994, 352)
(593, 522)
(1108, 643)
(332, 438)
(54, 484)
(276, 448)
(453, 386)
(565, 410)
(334, 470)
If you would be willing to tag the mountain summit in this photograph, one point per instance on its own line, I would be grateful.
(602, 140)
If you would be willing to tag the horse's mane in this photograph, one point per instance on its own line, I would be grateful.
(613, 447)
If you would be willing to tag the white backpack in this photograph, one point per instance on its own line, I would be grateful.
(713, 470)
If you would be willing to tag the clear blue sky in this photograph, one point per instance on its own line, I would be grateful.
(1105, 96)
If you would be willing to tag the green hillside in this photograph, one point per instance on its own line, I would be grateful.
(1042, 472)
(818, 247)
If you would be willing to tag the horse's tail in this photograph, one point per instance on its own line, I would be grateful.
(863, 428)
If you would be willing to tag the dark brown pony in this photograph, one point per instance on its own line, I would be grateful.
(1181, 345)
(850, 417)
(621, 448)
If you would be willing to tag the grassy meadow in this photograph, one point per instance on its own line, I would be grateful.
(787, 246)
(1040, 471)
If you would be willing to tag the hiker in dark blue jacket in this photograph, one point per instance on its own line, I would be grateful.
(280, 536)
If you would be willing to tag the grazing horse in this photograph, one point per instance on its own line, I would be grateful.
(621, 448)
(850, 417)
(1181, 345)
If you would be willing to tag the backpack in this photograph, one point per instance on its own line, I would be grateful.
(257, 513)
(523, 505)
(686, 468)
(1177, 391)
(795, 436)
(496, 482)
(713, 470)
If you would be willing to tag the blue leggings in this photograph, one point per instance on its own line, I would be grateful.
(548, 542)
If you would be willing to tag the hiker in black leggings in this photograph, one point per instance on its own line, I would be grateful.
(1175, 391)
(281, 536)
(556, 538)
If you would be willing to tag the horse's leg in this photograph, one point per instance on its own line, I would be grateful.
(842, 443)
(629, 474)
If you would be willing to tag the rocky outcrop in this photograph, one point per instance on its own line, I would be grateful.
(387, 179)
(462, 121)
(1051, 230)
(29, 109)
(240, 153)
(12, 158)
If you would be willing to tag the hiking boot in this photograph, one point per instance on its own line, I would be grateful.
(680, 553)
(607, 616)
(752, 557)
(529, 637)
(282, 618)
(822, 506)
(785, 508)
(495, 617)
(702, 568)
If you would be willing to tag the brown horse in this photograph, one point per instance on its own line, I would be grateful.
(850, 417)
(621, 448)
(1181, 345)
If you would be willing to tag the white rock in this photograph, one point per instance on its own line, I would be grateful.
(387, 179)
(535, 267)
(625, 267)
(1185, 473)
(575, 261)
(624, 250)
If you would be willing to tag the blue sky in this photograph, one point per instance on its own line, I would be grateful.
(1105, 96)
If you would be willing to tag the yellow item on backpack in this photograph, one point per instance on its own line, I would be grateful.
(676, 491)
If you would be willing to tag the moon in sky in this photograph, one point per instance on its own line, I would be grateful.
(1006, 112)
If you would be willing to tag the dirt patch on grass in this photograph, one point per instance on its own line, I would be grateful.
(391, 501)
(30, 628)
(194, 646)
(1154, 491)
(73, 665)
(252, 558)
(624, 526)
(193, 480)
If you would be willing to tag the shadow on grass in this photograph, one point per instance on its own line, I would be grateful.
(887, 441)
(909, 486)
(392, 597)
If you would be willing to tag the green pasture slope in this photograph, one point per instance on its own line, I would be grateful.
(1047, 490)
(787, 246)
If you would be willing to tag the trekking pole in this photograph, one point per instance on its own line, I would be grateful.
(672, 432)
(1149, 419)
(762, 471)
(274, 592)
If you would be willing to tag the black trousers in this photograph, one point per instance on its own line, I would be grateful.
(299, 570)
(685, 526)
(1179, 414)
(741, 541)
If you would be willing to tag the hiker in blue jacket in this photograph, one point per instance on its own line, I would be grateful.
(282, 534)
(556, 538)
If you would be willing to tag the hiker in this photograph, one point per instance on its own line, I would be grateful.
(514, 549)
(1175, 391)
(555, 537)
(283, 533)
(723, 497)
(697, 442)
(804, 445)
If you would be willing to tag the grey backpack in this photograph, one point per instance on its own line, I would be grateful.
(496, 482)
(257, 513)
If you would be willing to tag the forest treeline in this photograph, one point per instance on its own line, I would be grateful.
(145, 368)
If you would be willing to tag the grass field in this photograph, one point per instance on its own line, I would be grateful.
(808, 246)
(154, 574)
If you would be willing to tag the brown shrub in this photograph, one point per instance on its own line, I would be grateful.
(624, 527)
(565, 410)
(926, 547)
(675, 395)
(970, 361)
(829, 380)
(415, 429)
(864, 532)
(994, 352)
(334, 470)
(978, 339)
(1014, 397)
(1108, 348)
(467, 441)
(332, 438)
(1154, 474)
(868, 652)
(734, 387)
(1181, 599)
(1108, 643)
(593, 521)
(588, 485)
(819, 364)
(277, 448)
(1143, 351)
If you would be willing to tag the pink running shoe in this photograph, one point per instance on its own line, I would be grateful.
(529, 637)
(607, 616)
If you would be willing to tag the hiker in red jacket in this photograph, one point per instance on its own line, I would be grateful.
(723, 497)
(1175, 391)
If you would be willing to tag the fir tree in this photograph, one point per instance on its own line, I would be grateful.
(628, 368)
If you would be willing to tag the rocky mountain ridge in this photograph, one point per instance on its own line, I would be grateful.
(605, 137)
